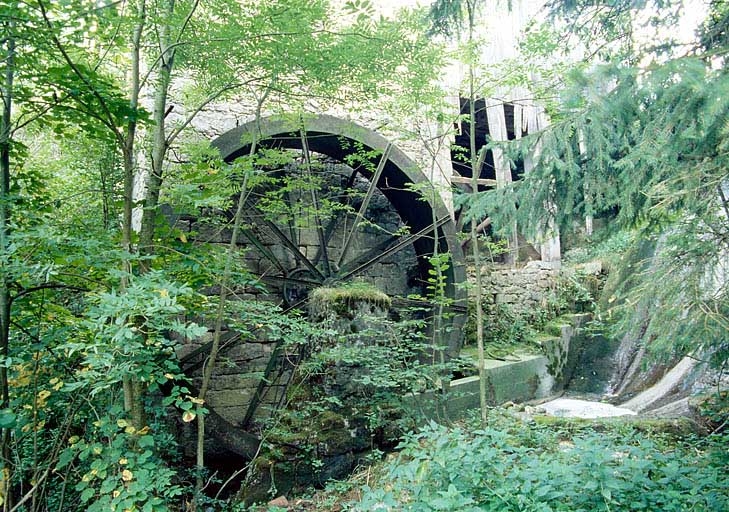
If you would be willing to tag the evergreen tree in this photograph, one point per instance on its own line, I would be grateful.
(642, 141)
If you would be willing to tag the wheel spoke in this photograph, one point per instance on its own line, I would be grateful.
(382, 251)
(334, 222)
(265, 251)
(258, 217)
(365, 202)
(291, 280)
(293, 232)
(315, 203)
(294, 249)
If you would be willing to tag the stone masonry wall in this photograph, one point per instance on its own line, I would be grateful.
(237, 374)
(524, 289)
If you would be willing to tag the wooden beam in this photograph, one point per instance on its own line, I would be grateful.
(467, 181)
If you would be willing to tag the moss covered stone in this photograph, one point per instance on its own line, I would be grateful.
(346, 301)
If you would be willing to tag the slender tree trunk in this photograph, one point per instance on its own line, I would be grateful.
(128, 149)
(586, 187)
(209, 367)
(475, 250)
(133, 399)
(438, 298)
(159, 139)
(5, 212)
(154, 181)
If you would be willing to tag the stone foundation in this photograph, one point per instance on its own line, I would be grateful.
(238, 372)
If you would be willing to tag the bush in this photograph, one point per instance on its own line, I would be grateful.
(541, 470)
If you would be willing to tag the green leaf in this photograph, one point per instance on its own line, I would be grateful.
(146, 441)
(7, 418)
(87, 494)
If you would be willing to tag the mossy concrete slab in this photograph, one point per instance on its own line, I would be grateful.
(571, 356)
(524, 378)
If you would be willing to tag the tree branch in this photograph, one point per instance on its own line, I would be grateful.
(191, 116)
(109, 123)
(187, 20)
(45, 286)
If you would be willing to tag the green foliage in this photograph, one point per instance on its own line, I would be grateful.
(203, 182)
(714, 409)
(605, 247)
(447, 16)
(383, 360)
(606, 31)
(713, 34)
(642, 147)
(78, 328)
(635, 161)
(129, 333)
(680, 284)
(116, 467)
(576, 292)
(358, 370)
(342, 298)
(512, 466)
(505, 331)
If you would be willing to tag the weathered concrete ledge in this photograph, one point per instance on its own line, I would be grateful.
(521, 378)
(525, 378)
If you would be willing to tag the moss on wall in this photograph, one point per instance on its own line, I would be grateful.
(346, 300)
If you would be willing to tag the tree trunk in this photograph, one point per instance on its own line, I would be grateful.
(475, 174)
(133, 397)
(5, 212)
(209, 367)
(159, 140)
(128, 148)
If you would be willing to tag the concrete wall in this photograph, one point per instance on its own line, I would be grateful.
(521, 378)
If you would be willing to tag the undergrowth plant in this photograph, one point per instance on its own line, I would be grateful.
(353, 391)
(356, 384)
(513, 466)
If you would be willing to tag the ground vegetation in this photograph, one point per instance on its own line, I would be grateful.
(96, 97)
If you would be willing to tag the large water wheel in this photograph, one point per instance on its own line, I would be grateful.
(351, 208)
(347, 205)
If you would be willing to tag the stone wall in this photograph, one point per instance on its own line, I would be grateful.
(237, 374)
(522, 289)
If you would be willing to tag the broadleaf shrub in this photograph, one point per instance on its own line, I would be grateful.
(528, 468)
